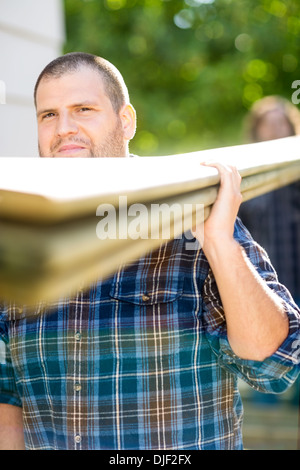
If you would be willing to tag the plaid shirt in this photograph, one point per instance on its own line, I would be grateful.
(140, 360)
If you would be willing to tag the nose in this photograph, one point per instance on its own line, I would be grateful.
(66, 125)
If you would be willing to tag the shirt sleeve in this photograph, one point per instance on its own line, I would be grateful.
(8, 389)
(277, 372)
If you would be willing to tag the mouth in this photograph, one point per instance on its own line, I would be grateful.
(70, 148)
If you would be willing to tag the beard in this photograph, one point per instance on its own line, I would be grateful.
(113, 145)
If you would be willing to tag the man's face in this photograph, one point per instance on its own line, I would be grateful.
(76, 118)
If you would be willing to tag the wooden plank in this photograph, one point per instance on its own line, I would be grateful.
(49, 245)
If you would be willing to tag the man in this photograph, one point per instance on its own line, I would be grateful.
(148, 359)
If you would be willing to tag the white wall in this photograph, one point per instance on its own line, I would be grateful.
(31, 35)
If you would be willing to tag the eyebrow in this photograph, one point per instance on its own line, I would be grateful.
(75, 105)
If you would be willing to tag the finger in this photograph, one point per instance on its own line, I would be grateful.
(221, 167)
(236, 172)
(225, 170)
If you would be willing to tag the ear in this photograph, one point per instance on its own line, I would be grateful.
(128, 118)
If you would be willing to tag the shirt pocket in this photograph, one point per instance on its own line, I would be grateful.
(148, 324)
(151, 293)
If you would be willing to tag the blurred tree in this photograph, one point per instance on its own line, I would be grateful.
(193, 67)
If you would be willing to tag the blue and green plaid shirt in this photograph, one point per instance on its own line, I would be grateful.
(140, 360)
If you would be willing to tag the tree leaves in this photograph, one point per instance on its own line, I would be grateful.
(193, 67)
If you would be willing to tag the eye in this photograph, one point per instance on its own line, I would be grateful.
(48, 116)
(85, 109)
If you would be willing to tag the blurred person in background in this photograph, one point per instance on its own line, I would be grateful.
(274, 218)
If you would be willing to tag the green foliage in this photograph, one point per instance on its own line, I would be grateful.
(193, 67)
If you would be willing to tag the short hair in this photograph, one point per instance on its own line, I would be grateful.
(114, 84)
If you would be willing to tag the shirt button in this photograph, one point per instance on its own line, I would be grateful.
(78, 438)
(78, 336)
(77, 387)
(145, 298)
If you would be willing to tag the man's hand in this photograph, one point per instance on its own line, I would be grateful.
(220, 223)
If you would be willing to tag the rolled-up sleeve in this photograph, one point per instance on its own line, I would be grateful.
(277, 372)
(8, 389)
